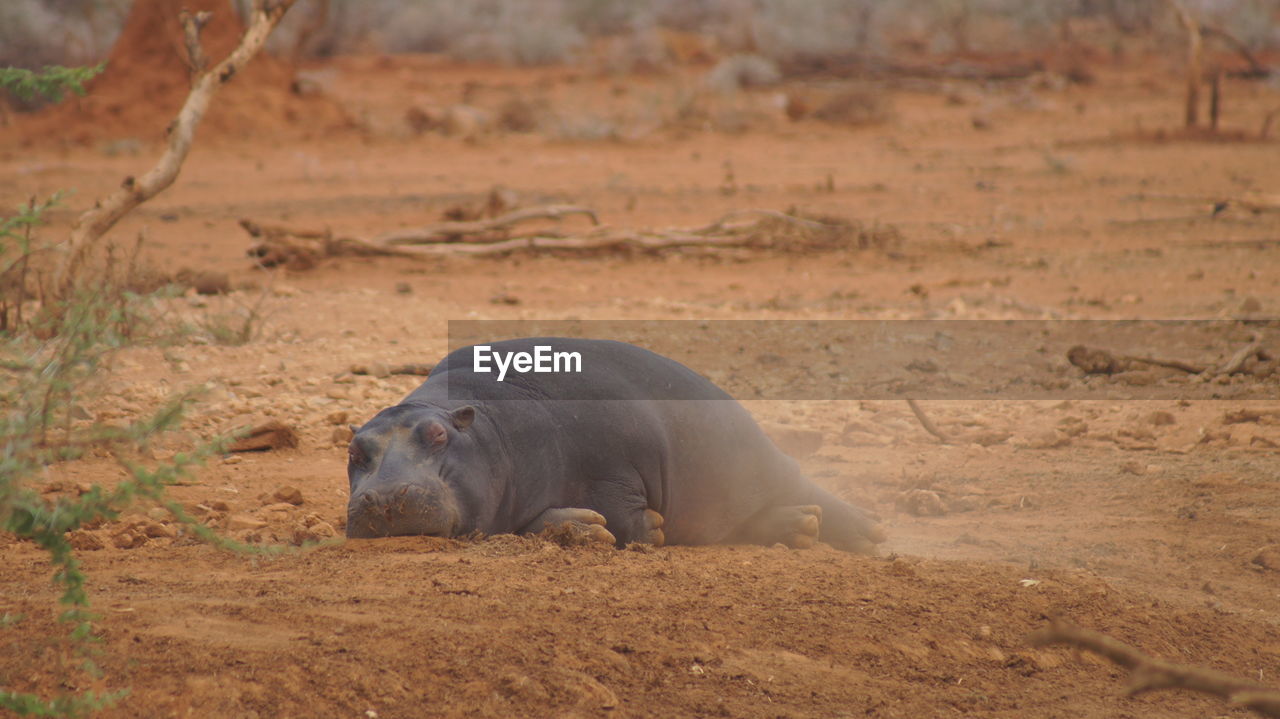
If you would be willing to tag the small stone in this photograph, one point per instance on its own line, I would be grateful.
(232, 459)
(1161, 418)
(339, 417)
(84, 540)
(921, 503)
(316, 532)
(129, 538)
(1047, 439)
(218, 505)
(269, 435)
(1134, 467)
(380, 370)
(289, 494)
(1268, 558)
(157, 530)
(1250, 305)
(238, 522)
(342, 435)
(337, 393)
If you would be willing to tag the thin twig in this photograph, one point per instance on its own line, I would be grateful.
(928, 425)
(1242, 355)
(1148, 673)
(191, 27)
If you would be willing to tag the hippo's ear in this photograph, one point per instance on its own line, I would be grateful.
(354, 428)
(463, 416)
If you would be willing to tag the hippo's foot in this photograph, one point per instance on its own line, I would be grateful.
(571, 526)
(795, 526)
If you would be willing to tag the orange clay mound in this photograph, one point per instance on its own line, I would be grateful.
(147, 78)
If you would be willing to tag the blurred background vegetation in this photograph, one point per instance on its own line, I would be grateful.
(627, 35)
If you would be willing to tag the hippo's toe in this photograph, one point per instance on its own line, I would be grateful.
(653, 528)
(795, 526)
(583, 526)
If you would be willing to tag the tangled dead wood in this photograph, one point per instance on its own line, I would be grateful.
(743, 229)
(1148, 673)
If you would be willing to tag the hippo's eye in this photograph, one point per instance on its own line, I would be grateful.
(434, 434)
(356, 456)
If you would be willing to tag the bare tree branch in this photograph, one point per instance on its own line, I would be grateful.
(1149, 674)
(94, 223)
(191, 27)
(1195, 49)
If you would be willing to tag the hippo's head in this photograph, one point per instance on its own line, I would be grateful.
(413, 470)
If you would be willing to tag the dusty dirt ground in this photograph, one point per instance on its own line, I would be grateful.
(1143, 519)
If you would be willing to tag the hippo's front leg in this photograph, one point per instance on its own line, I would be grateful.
(588, 522)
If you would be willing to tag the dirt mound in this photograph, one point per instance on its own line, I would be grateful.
(522, 627)
(147, 78)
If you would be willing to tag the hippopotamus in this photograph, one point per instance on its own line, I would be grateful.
(631, 447)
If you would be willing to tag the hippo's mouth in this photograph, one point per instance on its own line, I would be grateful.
(404, 510)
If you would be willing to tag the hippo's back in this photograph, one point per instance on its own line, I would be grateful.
(579, 369)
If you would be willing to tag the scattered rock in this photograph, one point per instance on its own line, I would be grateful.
(923, 365)
(339, 417)
(129, 538)
(1046, 439)
(1134, 467)
(1073, 426)
(316, 531)
(342, 435)
(291, 495)
(237, 522)
(404, 288)
(157, 530)
(794, 441)
(1161, 418)
(1267, 558)
(1249, 306)
(1094, 361)
(920, 503)
(504, 298)
(270, 435)
(519, 687)
(85, 540)
(205, 282)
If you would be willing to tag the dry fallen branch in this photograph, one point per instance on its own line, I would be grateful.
(95, 223)
(928, 425)
(481, 230)
(1242, 355)
(303, 249)
(1148, 673)
(1100, 361)
(490, 238)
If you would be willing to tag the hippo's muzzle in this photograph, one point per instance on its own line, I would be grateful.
(404, 508)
